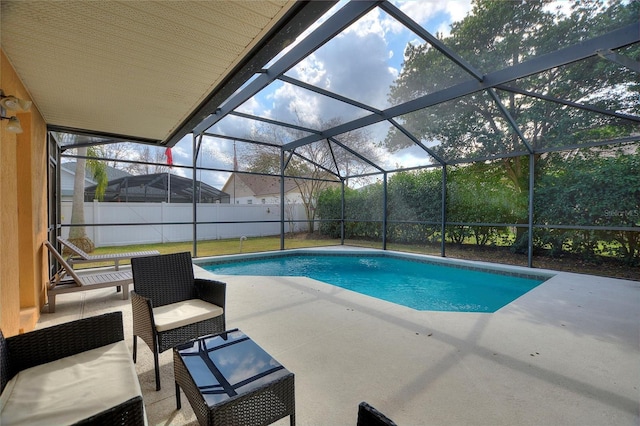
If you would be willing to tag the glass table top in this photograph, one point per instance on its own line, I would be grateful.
(228, 364)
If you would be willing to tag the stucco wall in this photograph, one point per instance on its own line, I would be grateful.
(23, 212)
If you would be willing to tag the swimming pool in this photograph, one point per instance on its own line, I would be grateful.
(410, 281)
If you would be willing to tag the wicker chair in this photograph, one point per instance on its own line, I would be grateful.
(170, 306)
(48, 345)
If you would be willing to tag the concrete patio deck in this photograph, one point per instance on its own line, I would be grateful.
(566, 353)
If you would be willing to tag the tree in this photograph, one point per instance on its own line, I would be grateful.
(147, 154)
(313, 167)
(591, 188)
(362, 212)
(413, 197)
(482, 192)
(112, 153)
(498, 34)
(77, 232)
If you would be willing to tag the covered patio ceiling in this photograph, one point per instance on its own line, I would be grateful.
(144, 71)
(182, 53)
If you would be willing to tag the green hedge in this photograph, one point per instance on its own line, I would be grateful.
(587, 190)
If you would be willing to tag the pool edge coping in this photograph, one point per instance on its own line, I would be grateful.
(512, 270)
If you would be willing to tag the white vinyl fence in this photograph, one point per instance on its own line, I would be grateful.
(147, 223)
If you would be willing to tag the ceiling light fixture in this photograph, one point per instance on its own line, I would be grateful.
(12, 103)
(14, 124)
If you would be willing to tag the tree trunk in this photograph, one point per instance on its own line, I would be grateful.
(77, 234)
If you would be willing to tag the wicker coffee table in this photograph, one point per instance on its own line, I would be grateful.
(230, 380)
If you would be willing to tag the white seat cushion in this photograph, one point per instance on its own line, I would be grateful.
(179, 314)
(70, 389)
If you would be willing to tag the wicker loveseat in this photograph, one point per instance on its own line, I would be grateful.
(78, 372)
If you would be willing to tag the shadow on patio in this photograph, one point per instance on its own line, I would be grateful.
(532, 362)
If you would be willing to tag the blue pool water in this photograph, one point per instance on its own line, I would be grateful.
(418, 285)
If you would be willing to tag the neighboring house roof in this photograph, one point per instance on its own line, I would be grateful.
(155, 187)
(67, 175)
(260, 185)
(266, 185)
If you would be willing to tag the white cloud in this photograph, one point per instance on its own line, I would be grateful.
(371, 23)
(416, 159)
(394, 72)
(413, 156)
(423, 12)
(251, 106)
(355, 64)
(291, 103)
(180, 149)
(311, 70)
(458, 9)
(444, 29)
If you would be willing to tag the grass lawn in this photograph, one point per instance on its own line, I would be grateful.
(214, 247)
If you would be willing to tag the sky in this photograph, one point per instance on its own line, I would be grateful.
(361, 63)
